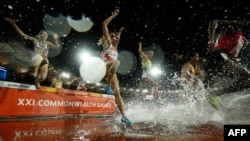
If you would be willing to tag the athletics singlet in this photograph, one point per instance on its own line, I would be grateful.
(41, 50)
(186, 73)
(231, 44)
(146, 66)
(110, 54)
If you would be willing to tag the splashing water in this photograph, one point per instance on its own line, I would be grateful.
(192, 109)
(236, 107)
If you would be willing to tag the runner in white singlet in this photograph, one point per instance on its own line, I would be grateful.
(41, 48)
(109, 42)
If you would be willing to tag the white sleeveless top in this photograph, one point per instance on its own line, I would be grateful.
(110, 53)
(41, 50)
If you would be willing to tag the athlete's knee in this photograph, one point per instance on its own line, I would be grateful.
(117, 62)
(43, 77)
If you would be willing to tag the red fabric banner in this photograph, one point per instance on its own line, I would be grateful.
(50, 101)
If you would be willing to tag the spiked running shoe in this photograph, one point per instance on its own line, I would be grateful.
(37, 84)
(108, 90)
(33, 75)
(214, 101)
(126, 121)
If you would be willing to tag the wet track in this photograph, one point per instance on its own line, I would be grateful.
(179, 121)
(101, 129)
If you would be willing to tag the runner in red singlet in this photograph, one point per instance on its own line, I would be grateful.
(223, 51)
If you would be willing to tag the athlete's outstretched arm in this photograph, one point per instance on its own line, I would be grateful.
(106, 22)
(55, 44)
(19, 31)
(213, 25)
(143, 56)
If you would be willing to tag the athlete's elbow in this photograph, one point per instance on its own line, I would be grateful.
(104, 24)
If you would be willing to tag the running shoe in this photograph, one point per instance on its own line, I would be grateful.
(160, 101)
(33, 75)
(214, 101)
(126, 121)
(37, 84)
(108, 90)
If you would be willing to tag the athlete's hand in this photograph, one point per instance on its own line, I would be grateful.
(12, 22)
(122, 29)
(55, 36)
(116, 12)
(140, 47)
